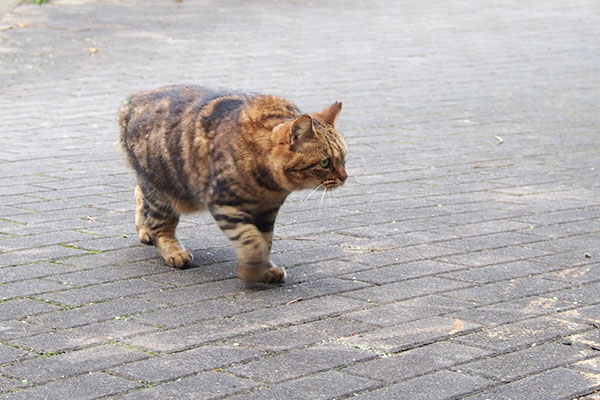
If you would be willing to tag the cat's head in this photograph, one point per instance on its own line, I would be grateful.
(310, 152)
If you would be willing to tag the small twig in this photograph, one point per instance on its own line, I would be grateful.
(492, 166)
(18, 357)
(294, 238)
(6, 28)
(87, 28)
(499, 139)
(293, 301)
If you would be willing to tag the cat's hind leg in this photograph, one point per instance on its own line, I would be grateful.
(156, 222)
(142, 230)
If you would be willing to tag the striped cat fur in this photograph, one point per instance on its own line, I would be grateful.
(234, 154)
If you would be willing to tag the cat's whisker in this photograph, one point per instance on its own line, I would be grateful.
(333, 194)
(310, 194)
(322, 197)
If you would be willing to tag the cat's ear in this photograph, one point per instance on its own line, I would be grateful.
(301, 129)
(330, 114)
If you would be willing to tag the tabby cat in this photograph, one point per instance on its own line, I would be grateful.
(238, 155)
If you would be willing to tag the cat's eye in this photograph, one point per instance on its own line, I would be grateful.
(324, 163)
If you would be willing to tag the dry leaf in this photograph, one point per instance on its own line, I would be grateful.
(458, 326)
(94, 50)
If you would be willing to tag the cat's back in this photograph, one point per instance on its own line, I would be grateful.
(176, 136)
(164, 143)
(170, 109)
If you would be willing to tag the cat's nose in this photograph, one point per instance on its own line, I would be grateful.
(342, 175)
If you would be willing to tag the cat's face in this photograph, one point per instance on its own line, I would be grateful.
(314, 152)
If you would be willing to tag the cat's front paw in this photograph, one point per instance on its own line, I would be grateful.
(274, 275)
(252, 276)
(180, 259)
(145, 237)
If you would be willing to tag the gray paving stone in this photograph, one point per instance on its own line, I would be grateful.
(487, 242)
(582, 243)
(400, 272)
(193, 313)
(496, 256)
(419, 361)
(40, 240)
(485, 228)
(586, 294)
(304, 334)
(498, 272)
(15, 329)
(47, 227)
(326, 385)
(305, 290)
(192, 276)
(523, 333)
(587, 315)
(589, 339)
(295, 312)
(411, 334)
(190, 362)
(108, 274)
(514, 310)
(105, 243)
(440, 385)
(402, 255)
(559, 383)
(406, 289)
(114, 257)
(207, 385)
(31, 271)
(324, 269)
(529, 361)
(9, 354)
(506, 290)
(103, 292)
(22, 308)
(592, 365)
(65, 365)
(194, 335)
(8, 385)
(562, 216)
(87, 335)
(566, 229)
(96, 312)
(409, 310)
(578, 275)
(85, 201)
(84, 387)
(195, 293)
(30, 287)
(298, 363)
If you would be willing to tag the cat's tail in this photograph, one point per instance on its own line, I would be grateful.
(123, 119)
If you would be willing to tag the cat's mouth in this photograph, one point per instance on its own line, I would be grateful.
(331, 183)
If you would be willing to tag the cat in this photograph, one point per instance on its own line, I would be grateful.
(237, 155)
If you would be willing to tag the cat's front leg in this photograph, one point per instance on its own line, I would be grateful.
(253, 245)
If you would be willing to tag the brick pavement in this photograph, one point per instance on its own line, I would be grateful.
(461, 259)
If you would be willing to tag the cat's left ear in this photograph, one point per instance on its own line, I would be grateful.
(330, 114)
(301, 129)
